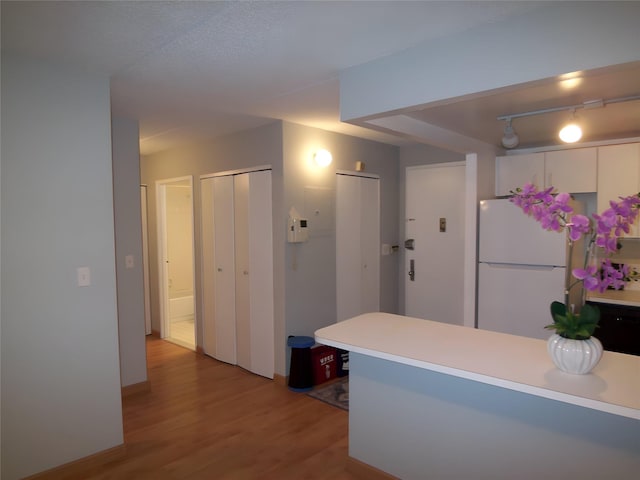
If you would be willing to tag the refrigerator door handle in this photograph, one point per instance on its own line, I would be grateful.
(522, 267)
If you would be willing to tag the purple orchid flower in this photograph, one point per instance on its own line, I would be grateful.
(554, 212)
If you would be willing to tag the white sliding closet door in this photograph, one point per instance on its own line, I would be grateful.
(254, 273)
(224, 288)
(238, 270)
(219, 275)
(357, 245)
(243, 310)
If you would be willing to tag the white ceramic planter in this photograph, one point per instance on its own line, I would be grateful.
(574, 356)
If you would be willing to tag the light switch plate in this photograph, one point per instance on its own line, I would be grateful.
(128, 261)
(84, 276)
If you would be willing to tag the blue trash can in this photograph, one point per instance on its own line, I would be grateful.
(300, 369)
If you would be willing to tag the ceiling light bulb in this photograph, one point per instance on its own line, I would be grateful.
(570, 133)
(510, 138)
(322, 158)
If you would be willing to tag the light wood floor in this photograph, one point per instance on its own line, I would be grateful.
(208, 420)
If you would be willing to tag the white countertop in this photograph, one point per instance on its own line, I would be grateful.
(619, 297)
(517, 363)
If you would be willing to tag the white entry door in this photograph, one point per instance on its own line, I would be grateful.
(434, 247)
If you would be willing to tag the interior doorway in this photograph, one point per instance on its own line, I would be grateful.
(176, 261)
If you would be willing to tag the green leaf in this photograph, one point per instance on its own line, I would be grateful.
(557, 308)
(579, 326)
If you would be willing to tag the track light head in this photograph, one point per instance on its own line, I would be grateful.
(510, 138)
(571, 132)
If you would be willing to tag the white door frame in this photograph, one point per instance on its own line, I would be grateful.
(145, 259)
(163, 269)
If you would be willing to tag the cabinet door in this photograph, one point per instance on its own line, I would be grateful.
(573, 171)
(619, 328)
(618, 175)
(514, 171)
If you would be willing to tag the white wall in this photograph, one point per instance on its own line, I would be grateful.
(60, 371)
(557, 38)
(128, 241)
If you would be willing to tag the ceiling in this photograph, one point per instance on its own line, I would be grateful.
(190, 70)
(476, 117)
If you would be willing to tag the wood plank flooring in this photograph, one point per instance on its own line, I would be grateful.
(204, 419)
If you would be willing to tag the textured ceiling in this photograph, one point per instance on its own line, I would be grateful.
(187, 70)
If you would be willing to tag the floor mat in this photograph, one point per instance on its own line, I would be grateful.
(335, 393)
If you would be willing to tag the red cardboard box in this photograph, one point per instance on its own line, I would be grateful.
(324, 361)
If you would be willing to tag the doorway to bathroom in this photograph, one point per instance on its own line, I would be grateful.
(176, 260)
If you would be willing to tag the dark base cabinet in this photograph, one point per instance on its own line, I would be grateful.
(619, 328)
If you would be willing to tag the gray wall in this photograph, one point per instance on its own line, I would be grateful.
(128, 241)
(311, 289)
(417, 424)
(60, 371)
(255, 147)
(305, 299)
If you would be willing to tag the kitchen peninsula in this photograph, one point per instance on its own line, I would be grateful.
(433, 400)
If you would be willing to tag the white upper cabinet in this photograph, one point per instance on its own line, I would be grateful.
(573, 171)
(618, 175)
(513, 171)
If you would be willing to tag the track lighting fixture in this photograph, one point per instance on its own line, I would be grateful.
(510, 138)
(570, 133)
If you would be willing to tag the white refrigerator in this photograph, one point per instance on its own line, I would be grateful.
(521, 270)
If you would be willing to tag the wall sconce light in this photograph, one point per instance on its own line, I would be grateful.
(322, 158)
(571, 132)
(510, 138)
